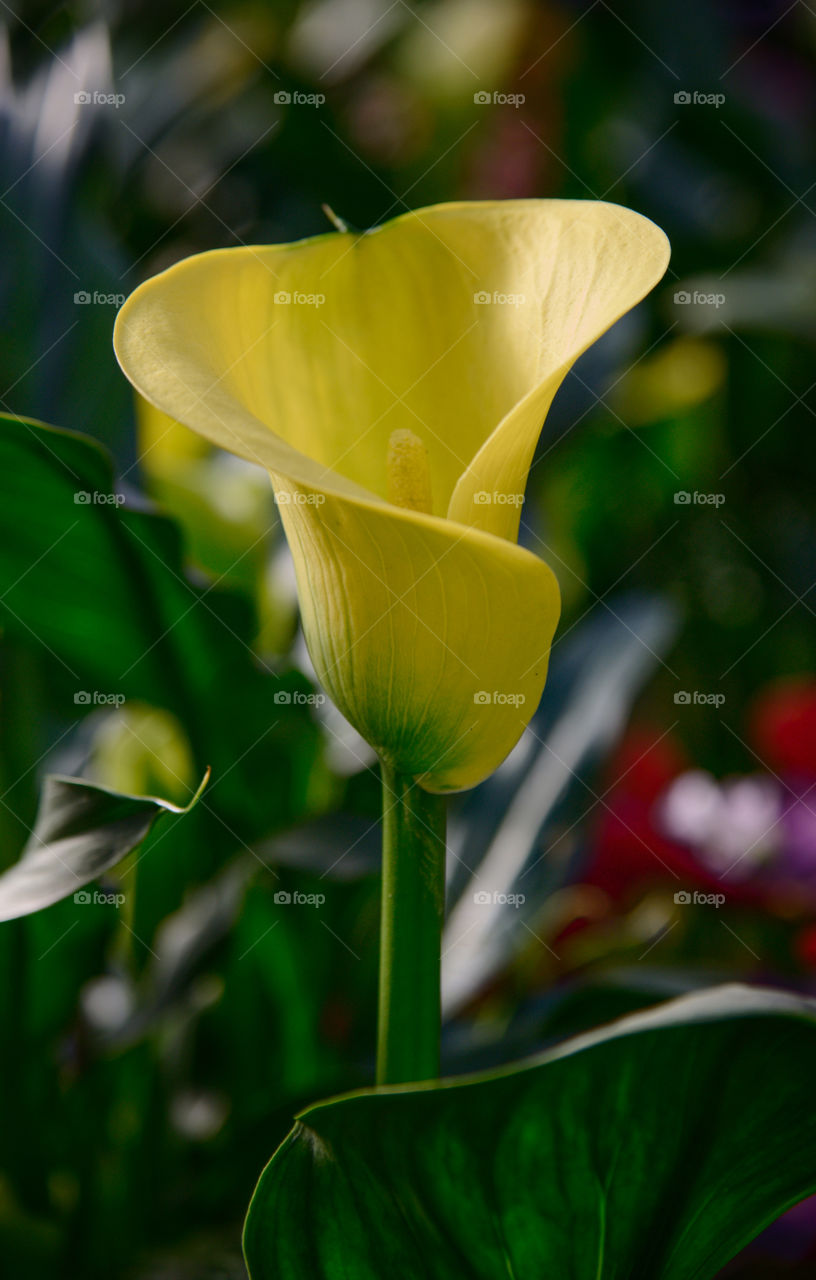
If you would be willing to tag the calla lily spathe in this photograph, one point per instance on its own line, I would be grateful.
(394, 384)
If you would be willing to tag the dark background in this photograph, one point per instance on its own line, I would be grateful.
(156, 1056)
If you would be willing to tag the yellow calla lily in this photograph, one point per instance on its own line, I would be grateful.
(394, 384)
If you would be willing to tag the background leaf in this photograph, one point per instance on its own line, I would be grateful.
(101, 588)
(81, 830)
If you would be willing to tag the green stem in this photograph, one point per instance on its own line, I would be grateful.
(413, 901)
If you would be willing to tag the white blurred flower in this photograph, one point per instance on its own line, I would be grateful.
(732, 826)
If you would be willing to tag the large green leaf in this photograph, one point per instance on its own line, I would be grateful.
(81, 830)
(652, 1149)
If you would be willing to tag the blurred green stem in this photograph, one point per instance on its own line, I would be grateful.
(413, 901)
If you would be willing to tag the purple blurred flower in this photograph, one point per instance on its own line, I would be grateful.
(799, 834)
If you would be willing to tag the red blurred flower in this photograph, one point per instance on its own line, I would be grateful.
(629, 850)
(782, 727)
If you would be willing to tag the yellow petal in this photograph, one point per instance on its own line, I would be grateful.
(335, 343)
(432, 639)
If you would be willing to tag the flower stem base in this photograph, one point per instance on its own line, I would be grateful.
(413, 903)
